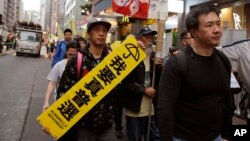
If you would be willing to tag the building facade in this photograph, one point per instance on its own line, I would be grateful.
(61, 14)
(10, 10)
(21, 11)
(17, 10)
(73, 16)
(42, 14)
(47, 15)
(32, 16)
(54, 15)
(10, 14)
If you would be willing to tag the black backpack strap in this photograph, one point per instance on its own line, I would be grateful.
(225, 61)
(182, 63)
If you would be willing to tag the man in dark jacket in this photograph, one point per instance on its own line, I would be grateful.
(137, 92)
(97, 123)
(195, 104)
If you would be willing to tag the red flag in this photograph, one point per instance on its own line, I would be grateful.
(133, 8)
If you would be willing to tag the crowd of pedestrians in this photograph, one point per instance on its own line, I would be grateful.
(10, 42)
(186, 97)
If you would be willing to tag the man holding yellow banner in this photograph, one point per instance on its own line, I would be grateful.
(92, 95)
(99, 120)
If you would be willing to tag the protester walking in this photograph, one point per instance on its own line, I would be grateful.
(61, 47)
(97, 123)
(56, 72)
(138, 91)
(194, 91)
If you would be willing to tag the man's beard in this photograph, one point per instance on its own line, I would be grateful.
(149, 49)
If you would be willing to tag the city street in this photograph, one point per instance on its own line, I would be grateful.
(161, 29)
(22, 87)
(22, 84)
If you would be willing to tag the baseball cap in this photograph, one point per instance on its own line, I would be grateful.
(146, 30)
(98, 21)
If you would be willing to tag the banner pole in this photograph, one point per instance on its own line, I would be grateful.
(158, 56)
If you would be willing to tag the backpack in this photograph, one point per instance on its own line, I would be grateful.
(79, 64)
(56, 56)
(182, 62)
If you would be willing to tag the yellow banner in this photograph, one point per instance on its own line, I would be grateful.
(115, 44)
(85, 94)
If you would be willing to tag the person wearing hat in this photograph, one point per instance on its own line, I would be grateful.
(97, 123)
(138, 91)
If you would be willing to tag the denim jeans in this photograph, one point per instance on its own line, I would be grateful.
(154, 131)
(136, 128)
(218, 138)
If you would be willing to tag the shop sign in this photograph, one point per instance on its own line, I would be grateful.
(149, 22)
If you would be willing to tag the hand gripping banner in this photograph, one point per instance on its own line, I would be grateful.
(85, 94)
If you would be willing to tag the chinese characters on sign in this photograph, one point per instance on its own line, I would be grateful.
(81, 98)
(68, 110)
(94, 86)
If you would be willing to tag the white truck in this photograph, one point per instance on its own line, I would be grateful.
(29, 40)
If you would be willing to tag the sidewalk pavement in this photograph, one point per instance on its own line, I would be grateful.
(4, 52)
(12, 51)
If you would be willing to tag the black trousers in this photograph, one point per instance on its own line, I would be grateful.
(118, 109)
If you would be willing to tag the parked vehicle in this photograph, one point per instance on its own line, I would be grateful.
(29, 40)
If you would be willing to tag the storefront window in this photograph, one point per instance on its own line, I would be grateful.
(233, 17)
